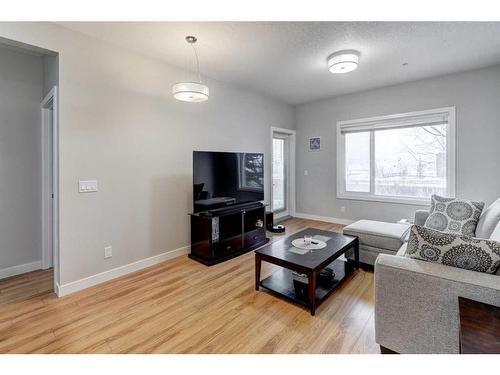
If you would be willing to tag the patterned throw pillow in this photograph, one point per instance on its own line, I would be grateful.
(453, 250)
(454, 215)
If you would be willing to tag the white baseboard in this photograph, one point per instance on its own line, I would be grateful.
(99, 278)
(20, 269)
(57, 290)
(279, 218)
(327, 219)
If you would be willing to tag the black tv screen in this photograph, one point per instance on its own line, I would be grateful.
(223, 179)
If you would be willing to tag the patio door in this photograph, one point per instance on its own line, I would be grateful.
(280, 174)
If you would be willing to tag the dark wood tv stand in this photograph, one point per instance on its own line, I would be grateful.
(224, 234)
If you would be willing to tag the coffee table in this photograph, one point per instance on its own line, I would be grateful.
(479, 327)
(283, 254)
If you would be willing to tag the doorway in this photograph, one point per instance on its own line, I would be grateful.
(282, 172)
(50, 202)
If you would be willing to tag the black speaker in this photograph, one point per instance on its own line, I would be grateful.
(270, 224)
(269, 220)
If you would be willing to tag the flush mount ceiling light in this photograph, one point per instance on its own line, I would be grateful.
(191, 91)
(343, 61)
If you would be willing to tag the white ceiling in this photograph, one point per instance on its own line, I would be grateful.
(287, 60)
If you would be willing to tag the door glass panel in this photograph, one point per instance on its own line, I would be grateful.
(279, 175)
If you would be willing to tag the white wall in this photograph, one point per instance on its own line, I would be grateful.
(21, 83)
(119, 124)
(476, 95)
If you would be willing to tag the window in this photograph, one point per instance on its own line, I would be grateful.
(398, 158)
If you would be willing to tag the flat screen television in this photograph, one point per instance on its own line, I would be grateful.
(223, 179)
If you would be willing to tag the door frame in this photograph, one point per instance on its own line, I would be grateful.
(283, 211)
(50, 223)
(291, 170)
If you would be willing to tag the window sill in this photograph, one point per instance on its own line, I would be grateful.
(379, 198)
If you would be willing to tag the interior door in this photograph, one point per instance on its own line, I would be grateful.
(280, 188)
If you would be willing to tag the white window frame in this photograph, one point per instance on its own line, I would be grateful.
(394, 121)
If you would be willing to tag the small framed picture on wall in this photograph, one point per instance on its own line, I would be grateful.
(315, 144)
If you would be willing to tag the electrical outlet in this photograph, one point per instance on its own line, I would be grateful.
(306, 172)
(108, 252)
(342, 209)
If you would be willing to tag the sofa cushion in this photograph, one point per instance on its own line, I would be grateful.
(389, 236)
(420, 217)
(488, 220)
(454, 215)
(453, 250)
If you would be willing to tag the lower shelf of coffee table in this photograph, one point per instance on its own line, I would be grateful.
(282, 283)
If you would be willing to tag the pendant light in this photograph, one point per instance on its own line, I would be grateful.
(191, 91)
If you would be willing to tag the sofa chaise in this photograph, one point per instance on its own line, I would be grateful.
(416, 302)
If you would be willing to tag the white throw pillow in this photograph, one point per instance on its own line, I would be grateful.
(489, 219)
(495, 236)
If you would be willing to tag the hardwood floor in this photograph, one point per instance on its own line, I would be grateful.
(181, 306)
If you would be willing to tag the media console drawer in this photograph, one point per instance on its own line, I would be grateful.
(227, 246)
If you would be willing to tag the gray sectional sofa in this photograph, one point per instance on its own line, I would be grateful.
(416, 302)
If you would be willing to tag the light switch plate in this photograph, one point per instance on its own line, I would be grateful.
(87, 186)
(108, 252)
